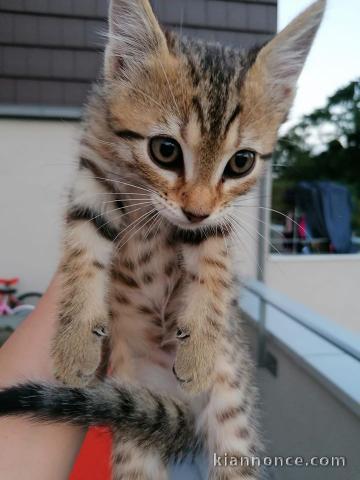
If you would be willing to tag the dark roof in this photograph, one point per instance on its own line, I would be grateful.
(50, 50)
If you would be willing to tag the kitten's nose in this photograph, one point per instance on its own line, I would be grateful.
(194, 217)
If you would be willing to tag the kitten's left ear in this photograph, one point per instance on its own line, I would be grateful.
(280, 62)
(134, 37)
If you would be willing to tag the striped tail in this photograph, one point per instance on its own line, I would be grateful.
(153, 420)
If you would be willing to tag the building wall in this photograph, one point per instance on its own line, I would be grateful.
(36, 160)
(328, 284)
(50, 50)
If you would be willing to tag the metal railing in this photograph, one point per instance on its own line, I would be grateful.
(267, 297)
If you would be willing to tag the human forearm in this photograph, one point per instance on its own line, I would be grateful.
(29, 450)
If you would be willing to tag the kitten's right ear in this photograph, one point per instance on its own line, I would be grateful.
(134, 36)
(279, 63)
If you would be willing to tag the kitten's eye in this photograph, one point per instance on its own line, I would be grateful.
(166, 152)
(240, 164)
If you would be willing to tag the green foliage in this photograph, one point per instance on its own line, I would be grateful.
(324, 145)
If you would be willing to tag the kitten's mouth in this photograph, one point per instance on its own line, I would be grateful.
(196, 236)
(219, 226)
(191, 231)
(193, 227)
(184, 220)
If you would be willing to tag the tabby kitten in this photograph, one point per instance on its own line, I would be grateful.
(176, 132)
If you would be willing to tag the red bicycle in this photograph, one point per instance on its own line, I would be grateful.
(10, 302)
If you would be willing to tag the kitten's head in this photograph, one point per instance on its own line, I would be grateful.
(196, 121)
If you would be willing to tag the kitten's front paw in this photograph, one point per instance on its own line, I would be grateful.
(194, 362)
(77, 354)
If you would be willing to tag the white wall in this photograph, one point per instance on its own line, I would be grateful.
(328, 284)
(36, 158)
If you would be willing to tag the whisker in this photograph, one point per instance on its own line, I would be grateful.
(257, 232)
(135, 200)
(271, 210)
(269, 243)
(125, 194)
(65, 201)
(283, 215)
(245, 197)
(160, 223)
(156, 217)
(120, 193)
(101, 214)
(253, 218)
(169, 86)
(136, 231)
(132, 224)
(148, 97)
(243, 244)
(224, 237)
(151, 190)
(122, 183)
(133, 209)
(109, 221)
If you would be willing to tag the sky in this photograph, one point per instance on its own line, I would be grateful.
(335, 57)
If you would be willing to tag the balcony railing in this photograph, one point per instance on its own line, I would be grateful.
(309, 381)
(328, 351)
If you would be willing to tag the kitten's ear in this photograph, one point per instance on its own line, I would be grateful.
(134, 36)
(280, 62)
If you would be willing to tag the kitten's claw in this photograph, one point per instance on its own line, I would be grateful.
(100, 331)
(182, 334)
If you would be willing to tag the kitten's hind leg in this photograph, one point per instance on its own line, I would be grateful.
(130, 461)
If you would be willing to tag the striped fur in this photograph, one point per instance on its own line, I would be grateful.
(154, 421)
(136, 270)
(148, 423)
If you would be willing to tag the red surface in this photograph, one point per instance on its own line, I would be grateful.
(93, 462)
(9, 281)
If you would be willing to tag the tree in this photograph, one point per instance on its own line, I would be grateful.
(324, 145)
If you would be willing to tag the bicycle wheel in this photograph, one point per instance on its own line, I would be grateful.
(26, 307)
(29, 298)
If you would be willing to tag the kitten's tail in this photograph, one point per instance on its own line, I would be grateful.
(152, 420)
